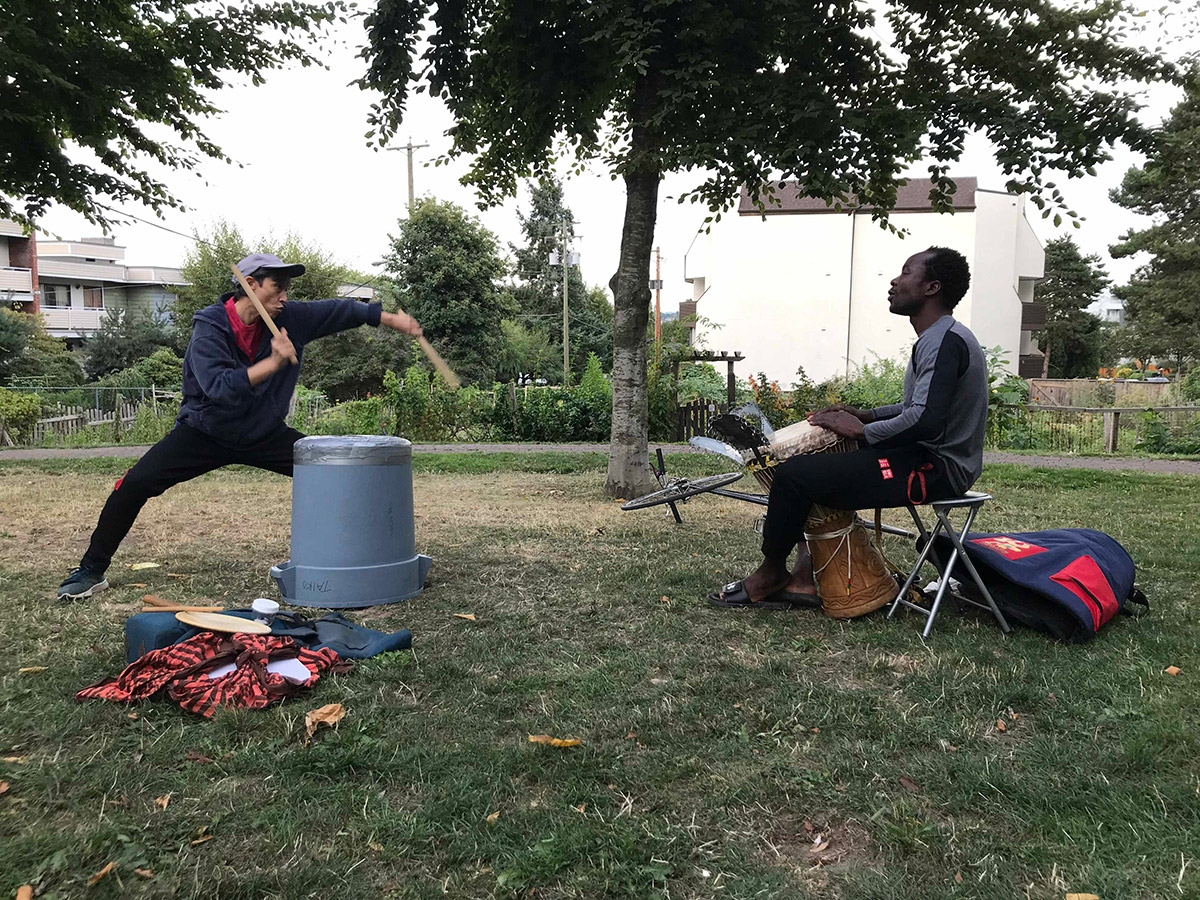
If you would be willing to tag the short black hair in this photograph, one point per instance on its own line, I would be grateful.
(283, 282)
(950, 269)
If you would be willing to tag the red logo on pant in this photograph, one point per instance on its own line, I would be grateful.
(117, 486)
(886, 473)
(884, 464)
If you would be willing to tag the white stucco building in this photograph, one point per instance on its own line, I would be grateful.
(1108, 308)
(807, 286)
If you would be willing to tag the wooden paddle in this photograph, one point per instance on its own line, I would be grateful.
(258, 305)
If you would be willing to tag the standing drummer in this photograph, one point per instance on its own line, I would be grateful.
(237, 386)
(930, 447)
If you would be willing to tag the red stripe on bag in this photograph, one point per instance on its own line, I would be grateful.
(1085, 580)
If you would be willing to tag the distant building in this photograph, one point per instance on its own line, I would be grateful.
(807, 286)
(1108, 308)
(81, 281)
(18, 266)
(74, 284)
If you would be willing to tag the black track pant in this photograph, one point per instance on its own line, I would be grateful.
(182, 455)
(863, 479)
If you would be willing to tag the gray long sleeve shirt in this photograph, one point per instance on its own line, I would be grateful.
(945, 402)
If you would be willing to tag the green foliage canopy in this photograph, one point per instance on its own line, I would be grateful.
(16, 330)
(447, 269)
(1162, 299)
(123, 339)
(114, 78)
(749, 93)
(1073, 338)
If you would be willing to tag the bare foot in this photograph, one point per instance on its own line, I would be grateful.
(802, 580)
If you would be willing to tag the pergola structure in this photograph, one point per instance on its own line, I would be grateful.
(714, 356)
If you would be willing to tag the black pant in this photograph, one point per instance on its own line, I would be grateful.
(182, 455)
(863, 479)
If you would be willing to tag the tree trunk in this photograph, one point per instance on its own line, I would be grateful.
(629, 472)
(1046, 360)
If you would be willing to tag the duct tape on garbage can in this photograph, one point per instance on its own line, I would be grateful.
(351, 450)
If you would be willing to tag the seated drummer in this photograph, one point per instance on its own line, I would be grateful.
(930, 447)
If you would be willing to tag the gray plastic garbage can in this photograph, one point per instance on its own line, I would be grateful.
(352, 524)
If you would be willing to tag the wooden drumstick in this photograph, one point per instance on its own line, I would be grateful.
(262, 311)
(436, 358)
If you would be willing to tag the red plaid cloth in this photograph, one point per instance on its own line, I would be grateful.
(181, 670)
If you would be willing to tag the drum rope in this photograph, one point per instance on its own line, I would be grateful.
(844, 534)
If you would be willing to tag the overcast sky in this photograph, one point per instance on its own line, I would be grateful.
(305, 167)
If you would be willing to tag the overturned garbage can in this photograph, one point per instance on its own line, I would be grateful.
(352, 524)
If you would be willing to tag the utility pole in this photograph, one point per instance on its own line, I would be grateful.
(410, 147)
(658, 299)
(566, 268)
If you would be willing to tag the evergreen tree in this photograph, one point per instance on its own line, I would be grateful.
(1162, 299)
(1072, 340)
(539, 286)
(123, 339)
(447, 269)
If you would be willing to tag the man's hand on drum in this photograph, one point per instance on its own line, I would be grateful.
(840, 421)
(863, 415)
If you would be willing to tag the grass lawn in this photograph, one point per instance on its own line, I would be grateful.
(724, 754)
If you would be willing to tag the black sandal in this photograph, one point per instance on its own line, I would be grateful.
(734, 596)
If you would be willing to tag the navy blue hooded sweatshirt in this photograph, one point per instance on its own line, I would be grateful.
(218, 398)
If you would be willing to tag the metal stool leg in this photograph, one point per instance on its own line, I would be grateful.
(922, 557)
(960, 551)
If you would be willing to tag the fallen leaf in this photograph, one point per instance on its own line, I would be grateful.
(817, 848)
(620, 500)
(25, 892)
(176, 575)
(470, 617)
(491, 819)
(1000, 726)
(137, 584)
(163, 801)
(815, 730)
(371, 845)
(1170, 670)
(1083, 897)
(582, 807)
(203, 839)
(132, 716)
(30, 670)
(145, 873)
(137, 567)
(330, 715)
(197, 757)
(808, 826)
(103, 873)
(909, 785)
(553, 741)
(15, 760)
(4, 786)
(664, 599)
(958, 879)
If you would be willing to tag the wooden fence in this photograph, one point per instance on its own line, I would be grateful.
(694, 418)
(72, 419)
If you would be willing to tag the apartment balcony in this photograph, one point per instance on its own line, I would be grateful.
(72, 321)
(16, 280)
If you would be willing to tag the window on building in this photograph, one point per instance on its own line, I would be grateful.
(55, 295)
(93, 298)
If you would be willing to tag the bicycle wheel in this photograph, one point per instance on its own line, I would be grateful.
(681, 489)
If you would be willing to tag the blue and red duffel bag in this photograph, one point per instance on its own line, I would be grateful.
(1067, 582)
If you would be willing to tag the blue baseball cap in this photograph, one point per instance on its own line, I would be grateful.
(274, 264)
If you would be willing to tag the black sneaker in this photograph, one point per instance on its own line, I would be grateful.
(82, 582)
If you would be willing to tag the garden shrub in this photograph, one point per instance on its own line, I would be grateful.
(19, 412)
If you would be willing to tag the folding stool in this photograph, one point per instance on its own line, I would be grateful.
(972, 501)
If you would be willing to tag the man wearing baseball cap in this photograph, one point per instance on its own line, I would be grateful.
(237, 386)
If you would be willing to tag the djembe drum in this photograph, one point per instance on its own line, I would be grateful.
(852, 576)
